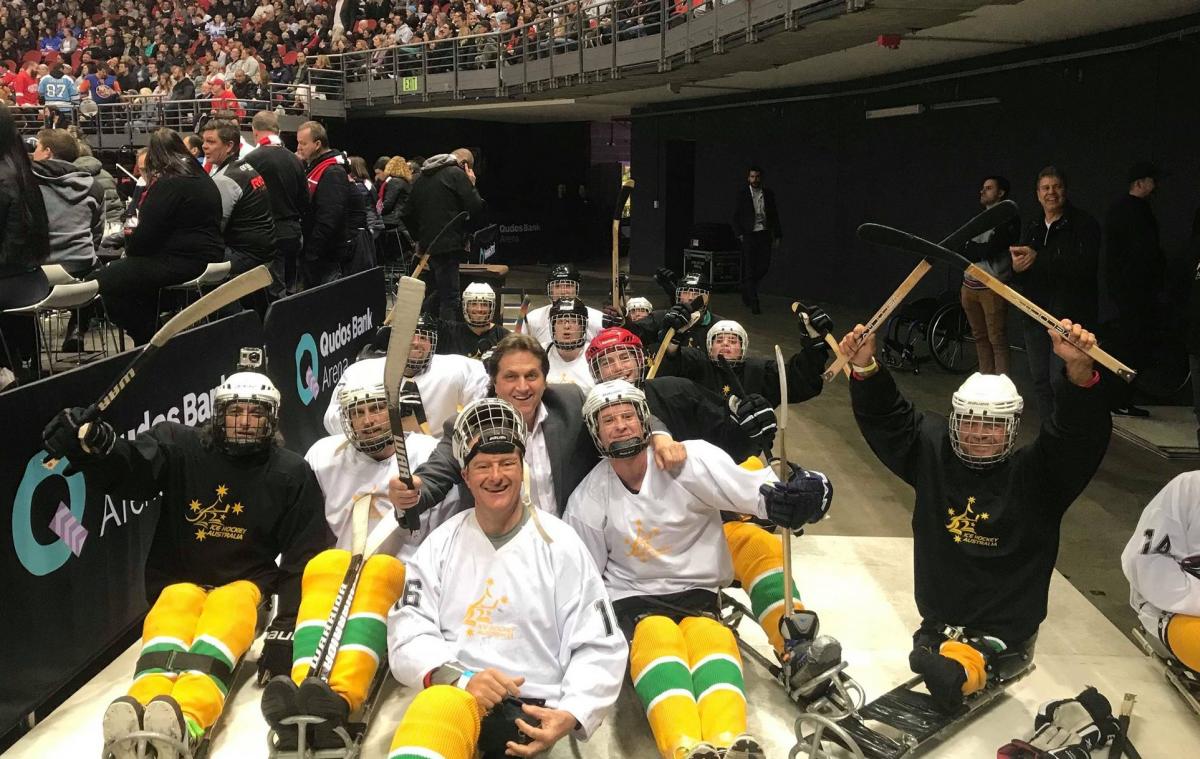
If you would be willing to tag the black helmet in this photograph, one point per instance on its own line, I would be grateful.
(569, 308)
(695, 283)
(427, 327)
(562, 273)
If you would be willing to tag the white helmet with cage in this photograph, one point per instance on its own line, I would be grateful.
(568, 323)
(254, 430)
(638, 308)
(478, 292)
(984, 421)
(613, 393)
(728, 327)
(363, 404)
(488, 425)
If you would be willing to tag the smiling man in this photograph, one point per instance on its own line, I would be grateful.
(987, 516)
(503, 615)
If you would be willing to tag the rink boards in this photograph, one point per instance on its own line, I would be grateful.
(862, 589)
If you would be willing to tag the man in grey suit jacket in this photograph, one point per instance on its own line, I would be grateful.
(559, 449)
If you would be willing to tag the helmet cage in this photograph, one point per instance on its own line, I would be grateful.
(472, 295)
(417, 366)
(488, 425)
(727, 327)
(615, 396)
(361, 401)
(611, 353)
(246, 437)
(567, 345)
(983, 454)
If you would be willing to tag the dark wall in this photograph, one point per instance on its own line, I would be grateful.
(832, 169)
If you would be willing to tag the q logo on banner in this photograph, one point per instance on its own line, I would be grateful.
(38, 558)
(307, 386)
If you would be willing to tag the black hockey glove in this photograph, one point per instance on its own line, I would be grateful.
(814, 324)
(668, 281)
(757, 419)
(1067, 728)
(61, 437)
(677, 317)
(802, 500)
(276, 657)
(612, 318)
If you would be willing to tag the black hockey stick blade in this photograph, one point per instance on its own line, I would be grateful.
(622, 198)
(990, 218)
(890, 237)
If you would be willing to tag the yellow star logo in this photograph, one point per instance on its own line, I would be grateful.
(194, 505)
(201, 535)
(950, 511)
(971, 501)
(222, 491)
(984, 515)
(726, 390)
(237, 508)
(958, 538)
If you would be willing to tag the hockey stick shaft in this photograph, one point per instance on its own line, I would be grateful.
(739, 391)
(782, 473)
(410, 291)
(668, 336)
(522, 315)
(331, 633)
(622, 199)
(990, 218)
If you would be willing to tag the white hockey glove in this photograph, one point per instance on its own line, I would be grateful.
(1068, 728)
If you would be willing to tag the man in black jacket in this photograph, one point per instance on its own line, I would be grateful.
(1134, 268)
(326, 237)
(559, 452)
(443, 206)
(1056, 265)
(286, 186)
(756, 224)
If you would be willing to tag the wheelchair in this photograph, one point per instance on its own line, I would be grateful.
(937, 325)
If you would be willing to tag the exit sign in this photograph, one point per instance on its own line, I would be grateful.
(410, 84)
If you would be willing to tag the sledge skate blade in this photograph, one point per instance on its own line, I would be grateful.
(1184, 680)
(352, 740)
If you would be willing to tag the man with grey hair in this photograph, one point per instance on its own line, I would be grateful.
(324, 225)
(442, 209)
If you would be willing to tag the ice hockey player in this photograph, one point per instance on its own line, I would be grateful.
(232, 501)
(479, 332)
(638, 308)
(1162, 563)
(568, 329)
(559, 450)
(446, 382)
(561, 282)
(691, 412)
(987, 517)
(650, 329)
(504, 621)
(657, 540)
(758, 375)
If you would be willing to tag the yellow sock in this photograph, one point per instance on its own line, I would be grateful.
(169, 626)
(323, 576)
(758, 565)
(658, 665)
(972, 661)
(224, 632)
(442, 722)
(716, 668)
(364, 639)
(1182, 636)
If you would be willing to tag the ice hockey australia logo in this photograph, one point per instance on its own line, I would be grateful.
(479, 618)
(210, 520)
(964, 526)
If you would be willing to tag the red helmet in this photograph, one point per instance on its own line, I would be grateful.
(609, 341)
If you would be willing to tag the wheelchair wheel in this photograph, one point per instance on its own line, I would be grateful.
(950, 340)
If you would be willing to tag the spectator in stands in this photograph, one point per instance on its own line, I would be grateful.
(59, 94)
(324, 226)
(362, 220)
(380, 166)
(102, 86)
(243, 88)
(177, 235)
(392, 196)
(195, 146)
(24, 247)
(247, 224)
(113, 206)
(287, 188)
(443, 206)
(1056, 266)
(74, 202)
(25, 85)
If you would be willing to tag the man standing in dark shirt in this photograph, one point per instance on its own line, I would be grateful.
(756, 224)
(326, 236)
(1134, 268)
(286, 186)
(987, 312)
(1056, 266)
(987, 518)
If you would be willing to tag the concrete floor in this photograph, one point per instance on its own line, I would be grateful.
(872, 502)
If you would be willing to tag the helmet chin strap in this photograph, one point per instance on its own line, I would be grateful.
(627, 448)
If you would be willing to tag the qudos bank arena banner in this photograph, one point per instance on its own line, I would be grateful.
(311, 338)
(72, 558)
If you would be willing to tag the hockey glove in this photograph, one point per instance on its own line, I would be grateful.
(757, 419)
(276, 656)
(802, 500)
(677, 318)
(668, 281)
(612, 318)
(814, 324)
(61, 437)
(1067, 728)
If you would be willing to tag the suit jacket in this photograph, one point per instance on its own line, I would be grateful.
(743, 213)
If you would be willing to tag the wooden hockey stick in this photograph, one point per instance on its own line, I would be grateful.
(697, 312)
(618, 302)
(331, 634)
(895, 238)
(521, 316)
(781, 420)
(989, 219)
(409, 295)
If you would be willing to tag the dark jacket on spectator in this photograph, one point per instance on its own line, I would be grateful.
(75, 208)
(442, 192)
(286, 185)
(246, 210)
(16, 256)
(114, 208)
(395, 195)
(324, 226)
(179, 216)
(990, 249)
(184, 89)
(1064, 276)
(1134, 261)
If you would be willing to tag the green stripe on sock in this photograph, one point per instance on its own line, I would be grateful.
(716, 671)
(368, 632)
(767, 591)
(207, 649)
(662, 677)
(304, 644)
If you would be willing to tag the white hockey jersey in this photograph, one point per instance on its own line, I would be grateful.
(667, 537)
(1167, 533)
(537, 324)
(345, 473)
(534, 608)
(569, 372)
(449, 383)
